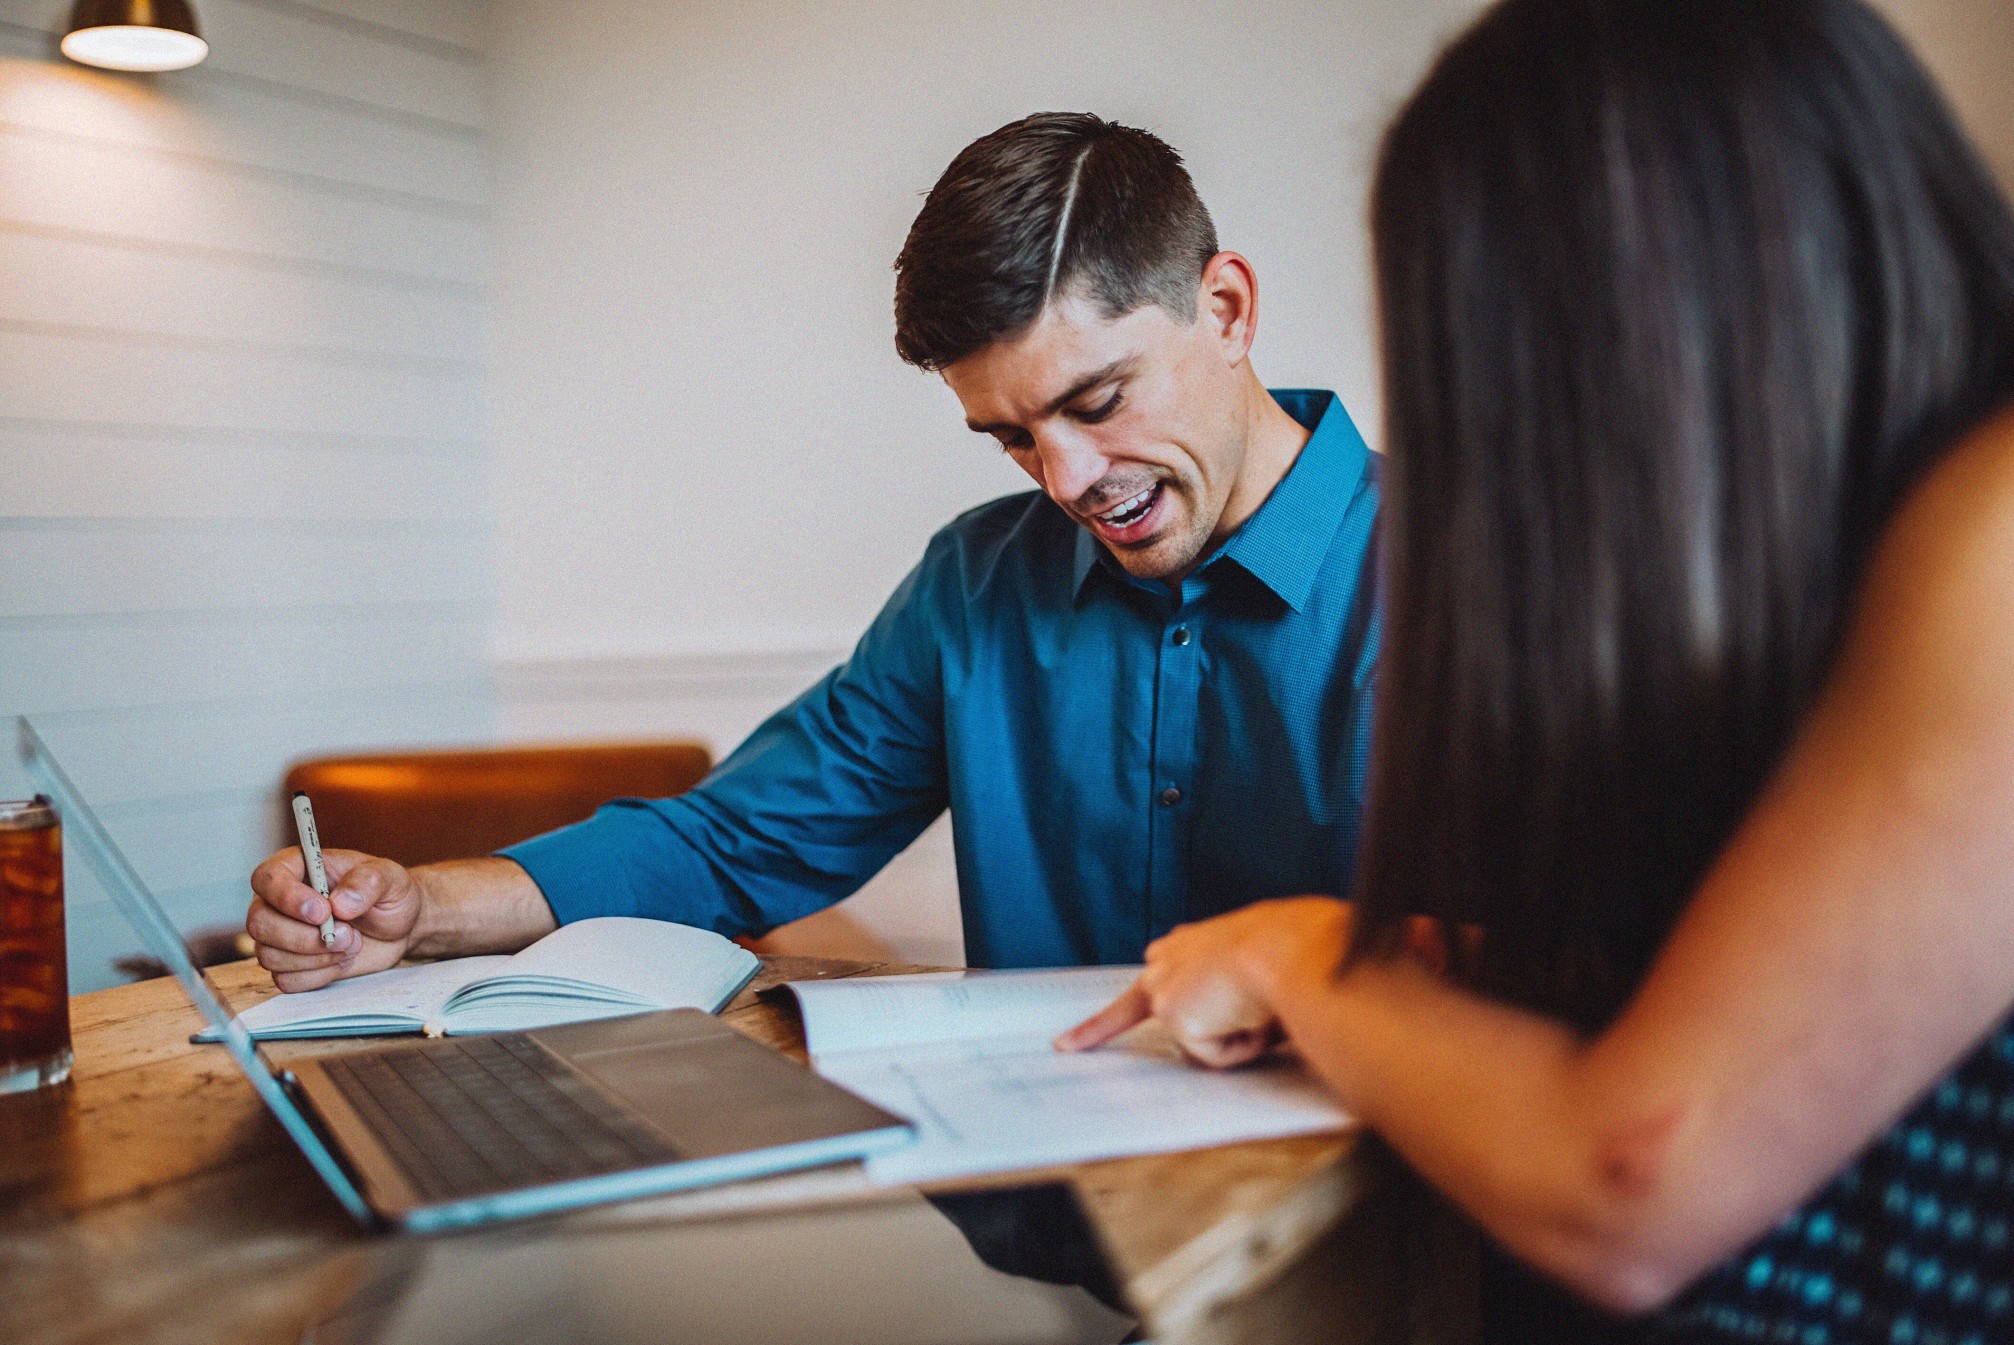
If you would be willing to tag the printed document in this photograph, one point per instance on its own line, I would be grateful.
(967, 1057)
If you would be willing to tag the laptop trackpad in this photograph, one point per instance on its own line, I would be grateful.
(704, 1086)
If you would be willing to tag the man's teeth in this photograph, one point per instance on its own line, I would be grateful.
(1128, 512)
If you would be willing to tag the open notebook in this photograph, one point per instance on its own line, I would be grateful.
(590, 969)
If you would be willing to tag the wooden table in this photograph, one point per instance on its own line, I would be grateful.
(153, 1198)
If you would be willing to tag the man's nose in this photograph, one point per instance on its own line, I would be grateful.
(1071, 463)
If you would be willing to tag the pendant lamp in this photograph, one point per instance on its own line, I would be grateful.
(134, 35)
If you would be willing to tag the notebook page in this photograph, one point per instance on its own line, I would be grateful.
(402, 994)
(650, 962)
(883, 1012)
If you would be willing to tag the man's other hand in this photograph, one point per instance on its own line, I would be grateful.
(377, 905)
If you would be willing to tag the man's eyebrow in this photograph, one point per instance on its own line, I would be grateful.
(1122, 365)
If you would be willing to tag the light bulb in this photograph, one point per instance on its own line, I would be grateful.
(128, 46)
(134, 35)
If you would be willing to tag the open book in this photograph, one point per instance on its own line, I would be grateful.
(967, 1057)
(589, 969)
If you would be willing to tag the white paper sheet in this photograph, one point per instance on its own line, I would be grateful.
(967, 1057)
(893, 1011)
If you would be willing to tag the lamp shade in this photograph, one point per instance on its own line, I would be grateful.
(134, 35)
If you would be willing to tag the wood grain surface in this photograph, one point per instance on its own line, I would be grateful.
(152, 1198)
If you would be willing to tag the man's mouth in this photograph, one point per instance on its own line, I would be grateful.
(1127, 521)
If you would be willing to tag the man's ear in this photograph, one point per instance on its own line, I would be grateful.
(1228, 299)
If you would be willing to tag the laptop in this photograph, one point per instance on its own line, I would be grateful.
(457, 1131)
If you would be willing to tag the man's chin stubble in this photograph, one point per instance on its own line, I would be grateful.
(1155, 560)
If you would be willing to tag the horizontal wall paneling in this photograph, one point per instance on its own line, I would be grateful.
(74, 663)
(244, 516)
(106, 476)
(453, 27)
(257, 126)
(159, 753)
(184, 568)
(105, 191)
(48, 375)
(81, 281)
(295, 46)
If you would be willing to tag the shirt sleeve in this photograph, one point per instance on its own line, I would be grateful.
(812, 805)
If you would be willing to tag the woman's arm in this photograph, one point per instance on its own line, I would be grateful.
(1853, 941)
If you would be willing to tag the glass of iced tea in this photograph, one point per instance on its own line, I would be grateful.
(34, 967)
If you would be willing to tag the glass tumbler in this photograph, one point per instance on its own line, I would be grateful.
(34, 966)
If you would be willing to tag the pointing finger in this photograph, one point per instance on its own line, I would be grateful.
(1133, 1007)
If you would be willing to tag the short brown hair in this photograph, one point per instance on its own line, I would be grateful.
(1055, 200)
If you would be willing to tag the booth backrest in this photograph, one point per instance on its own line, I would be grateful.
(417, 807)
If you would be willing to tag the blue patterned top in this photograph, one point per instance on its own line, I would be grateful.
(1912, 1245)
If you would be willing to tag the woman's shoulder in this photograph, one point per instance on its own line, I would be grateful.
(1967, 498)
(1948, 554)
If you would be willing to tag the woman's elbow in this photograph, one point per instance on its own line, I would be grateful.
(1612, 1258)
(1626, 1283)
(1614, 1243)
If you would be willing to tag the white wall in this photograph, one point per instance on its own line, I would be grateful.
(243, 486)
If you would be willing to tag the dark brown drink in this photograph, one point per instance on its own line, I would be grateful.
(34, 965)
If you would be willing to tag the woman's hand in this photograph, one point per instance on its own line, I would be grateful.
(1214, 983)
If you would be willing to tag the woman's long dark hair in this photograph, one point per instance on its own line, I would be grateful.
(1678, 300)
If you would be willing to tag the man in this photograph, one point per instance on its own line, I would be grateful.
(1143, 691)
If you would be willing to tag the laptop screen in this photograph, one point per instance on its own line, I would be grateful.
(83, 830)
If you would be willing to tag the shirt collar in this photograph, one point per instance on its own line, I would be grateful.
(1284, 544)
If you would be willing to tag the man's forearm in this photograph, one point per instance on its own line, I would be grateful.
(471, 906)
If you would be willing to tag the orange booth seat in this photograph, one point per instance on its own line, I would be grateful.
(418, 807)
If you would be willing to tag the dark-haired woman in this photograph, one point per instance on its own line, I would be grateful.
(1695, 745)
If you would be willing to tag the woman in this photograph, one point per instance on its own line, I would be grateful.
(1696, 731)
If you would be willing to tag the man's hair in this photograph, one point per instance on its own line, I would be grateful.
(1052, 202)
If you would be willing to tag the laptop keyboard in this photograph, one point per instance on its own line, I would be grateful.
(467, 1116)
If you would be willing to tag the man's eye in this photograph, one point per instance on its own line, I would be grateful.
(1104, 412)
(1010, 441)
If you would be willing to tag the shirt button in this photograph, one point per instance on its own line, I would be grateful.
(1170, 797)
(1181, 635)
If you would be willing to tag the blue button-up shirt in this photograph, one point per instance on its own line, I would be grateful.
(1119, 755)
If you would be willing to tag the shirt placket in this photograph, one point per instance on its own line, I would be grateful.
(1178, 679)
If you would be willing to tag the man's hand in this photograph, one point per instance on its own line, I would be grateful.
(1212, 983)
(377, 905)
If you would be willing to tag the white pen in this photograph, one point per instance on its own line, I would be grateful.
(311, 850)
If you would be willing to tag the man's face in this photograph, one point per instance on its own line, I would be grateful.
(1133, 425)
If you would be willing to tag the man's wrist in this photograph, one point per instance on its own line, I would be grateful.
(425, 939)
(469, 906)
